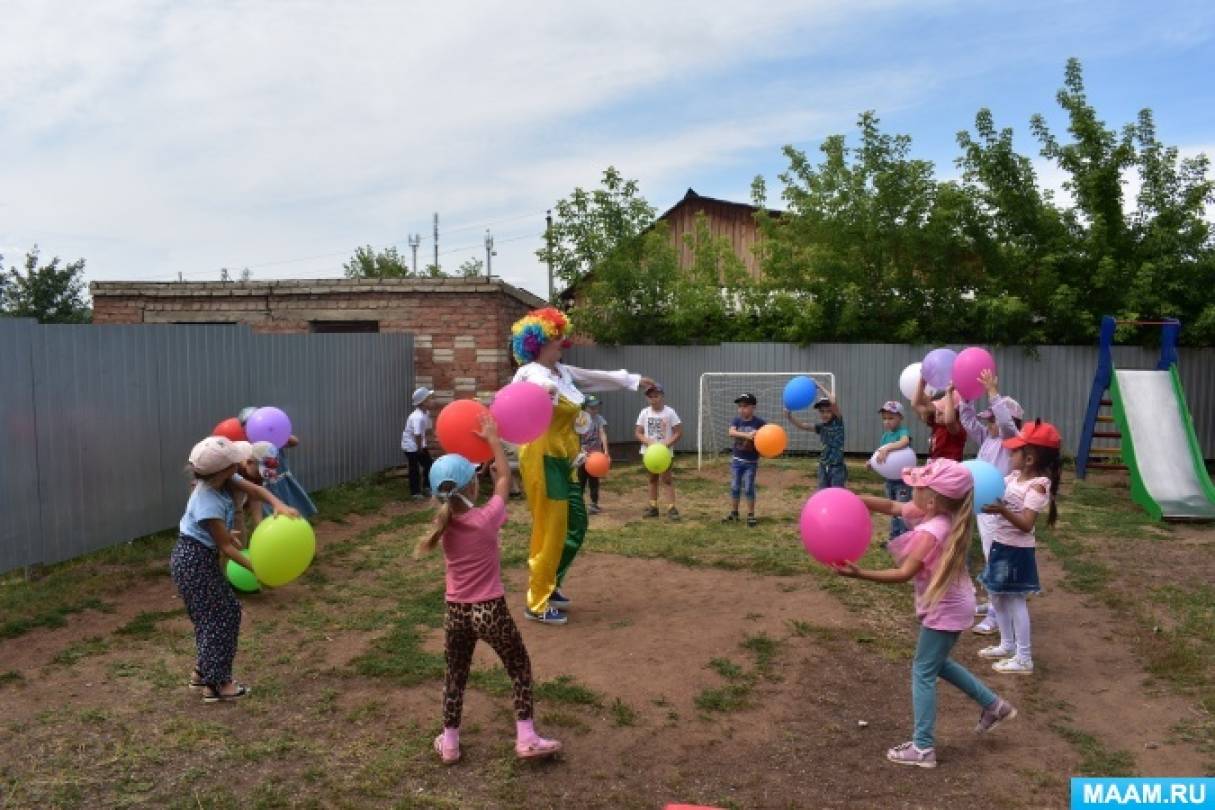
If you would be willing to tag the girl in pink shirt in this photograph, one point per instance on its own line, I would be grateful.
(476, 600)
(933, 554)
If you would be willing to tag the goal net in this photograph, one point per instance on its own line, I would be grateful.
(716, 408)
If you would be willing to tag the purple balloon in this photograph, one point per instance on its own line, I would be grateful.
(269, 425)
(937, 368)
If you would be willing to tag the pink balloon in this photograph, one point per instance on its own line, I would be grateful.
(836, 526)
(523, 411)
(966, 370)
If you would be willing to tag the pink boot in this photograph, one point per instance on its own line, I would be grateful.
(536, 748)
(447, 751)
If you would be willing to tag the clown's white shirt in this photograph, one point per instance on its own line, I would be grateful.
(567, 380)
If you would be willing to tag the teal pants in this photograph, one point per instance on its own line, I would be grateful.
(932, 661)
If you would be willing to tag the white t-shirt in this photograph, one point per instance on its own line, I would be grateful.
(658, 426)
(417, 425)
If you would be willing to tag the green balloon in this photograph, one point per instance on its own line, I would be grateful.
(242, 578)
(281, 549)
(657, 458)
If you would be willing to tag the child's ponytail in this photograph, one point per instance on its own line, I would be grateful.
(952, 563)
(442, 520)
(1049, 462)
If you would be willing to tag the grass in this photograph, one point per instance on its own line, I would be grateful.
(362, 497)
(565, 689)
(79, 650)
(144, 624)
(1095, 758)
(11, 678)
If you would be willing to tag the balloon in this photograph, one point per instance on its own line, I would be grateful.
(989, 483)
(657, 458)
(242, 578)
(771, 440)
(966, 370)
(269, 425)
(896, 461)
(800, 392)
(937, 368)
(523, 411)
(909, 380)
(281, 549)
(455, 427)
(231, 430)
(835, 526)
(598, 464)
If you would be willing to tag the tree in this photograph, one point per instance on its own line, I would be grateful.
(370, 263)
(472, 268)
(51, 293)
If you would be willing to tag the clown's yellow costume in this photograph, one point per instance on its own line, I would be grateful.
(547, 465)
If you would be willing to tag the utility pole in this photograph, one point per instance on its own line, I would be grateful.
(548, 241)
(436, 241)
(415, 239)
(489, 255)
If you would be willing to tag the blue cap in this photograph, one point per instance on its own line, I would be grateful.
(452, 467)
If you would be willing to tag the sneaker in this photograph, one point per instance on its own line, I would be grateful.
(559, 601)
(536, 748)
(594, 509)
(673, 514)
(550, 616)
(449, 756)
(985, 628)
(996, 651)
(981, 610)
(908, 754)
(995, 715)
(731, 518)
(751, 521)
(1014, 666)
(650, 512)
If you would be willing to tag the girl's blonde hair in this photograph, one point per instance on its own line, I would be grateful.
(446, 494)
(952, 562)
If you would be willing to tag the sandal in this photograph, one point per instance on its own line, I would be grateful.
(450, 756)
(212, 695)
(196, 681)
(537, 748)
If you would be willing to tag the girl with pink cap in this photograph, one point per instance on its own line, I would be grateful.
(933, 554)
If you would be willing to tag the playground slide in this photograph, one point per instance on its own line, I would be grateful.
(1168, 476)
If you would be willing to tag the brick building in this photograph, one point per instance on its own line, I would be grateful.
(460, 326)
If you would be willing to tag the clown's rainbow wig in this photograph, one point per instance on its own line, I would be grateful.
(535, 329)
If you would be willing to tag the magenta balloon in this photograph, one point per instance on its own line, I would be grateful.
(269, 425)
(523, 411)
(966, 370)
(835, 526)
(937, 368)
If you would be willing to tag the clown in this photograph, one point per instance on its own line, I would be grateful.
(548, 464)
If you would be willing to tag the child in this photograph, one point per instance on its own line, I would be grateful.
(745, 463)
(934, 555)
(895, 437)
(279, 480)
(940, 414)
(476, 600)
(204, 540)
(413, 442)
(593, 432)
(830, 430)
(1012, 570)
(659, 424)
(989, 429)
(248, 510)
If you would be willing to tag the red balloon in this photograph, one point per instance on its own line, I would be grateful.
(455, 427)
(231, 429)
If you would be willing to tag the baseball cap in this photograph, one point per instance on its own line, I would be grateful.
(591, 401)
(245, 449)
(746, 399)
(654, 389)
(214, 453)
(421, 395)
(823, 402)
(1014, 410)
(943, 475)
(892, 407)
(452, 467)
(1037, 434)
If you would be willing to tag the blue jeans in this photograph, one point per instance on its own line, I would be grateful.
(901, 492)
(742, 478)
(932, 661)
(832, 475)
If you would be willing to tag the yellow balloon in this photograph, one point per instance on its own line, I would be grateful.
(281, 549)
(657, 458)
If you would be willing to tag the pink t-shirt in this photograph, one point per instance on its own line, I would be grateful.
(955, 610)
(1034, 494)
(471, 549)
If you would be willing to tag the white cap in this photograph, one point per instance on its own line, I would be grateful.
(421, 395)
(213, 454)
(245, 449)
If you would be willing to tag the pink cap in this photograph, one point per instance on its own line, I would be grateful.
(942, 475)
(213, 454)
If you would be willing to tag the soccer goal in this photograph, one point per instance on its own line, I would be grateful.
(715, 408)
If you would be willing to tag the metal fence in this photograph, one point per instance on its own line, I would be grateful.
(96, 421)
(1053, 383)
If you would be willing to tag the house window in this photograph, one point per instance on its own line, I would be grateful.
(344, 327)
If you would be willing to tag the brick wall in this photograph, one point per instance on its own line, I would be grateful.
(460, 326)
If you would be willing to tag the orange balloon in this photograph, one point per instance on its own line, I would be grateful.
(598, 464)
(771, 440)
(455, 427)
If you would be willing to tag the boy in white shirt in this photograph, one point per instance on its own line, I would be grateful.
(413, 442)
(659, 424)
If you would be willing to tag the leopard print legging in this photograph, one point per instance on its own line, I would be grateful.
(492, 623)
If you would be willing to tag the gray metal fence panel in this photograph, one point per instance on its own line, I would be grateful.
(1053, 382)
(98, 421)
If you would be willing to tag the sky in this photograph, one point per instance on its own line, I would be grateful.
(155, 139)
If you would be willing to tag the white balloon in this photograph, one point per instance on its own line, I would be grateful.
(896, 461)
(909, 380)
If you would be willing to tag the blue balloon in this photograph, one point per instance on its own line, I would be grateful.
(989, 483)
(800, 392)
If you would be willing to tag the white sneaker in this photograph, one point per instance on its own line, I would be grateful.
(996, 651)
(981, 610)
(1014, 666)
(985, 628)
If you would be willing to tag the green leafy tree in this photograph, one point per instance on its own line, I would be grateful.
(52, 293)
(472, 268)
(367, 262)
